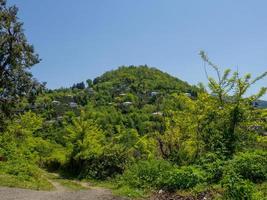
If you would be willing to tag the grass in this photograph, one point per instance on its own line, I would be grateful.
(40, 182)
(130, 192)
(20, 174)
(68, 183)
(15, 181)
(118, 190)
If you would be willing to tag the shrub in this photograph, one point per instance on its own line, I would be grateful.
(161, 174)
(183, 178)
(213, 166)
(103, 166)
(147, 174)
(250, 165)
(21, 173)
(106, 165)
(20, 168)
(236, 188)
(260, 192)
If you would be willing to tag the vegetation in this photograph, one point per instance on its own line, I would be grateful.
(136, 127)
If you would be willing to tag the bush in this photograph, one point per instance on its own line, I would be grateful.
(213, 166)
(260, 192)
(250, 165)
(160, 174)
(147, 174)
(237, 188)
(20, 173)
(103, 166)
(20, 168)
(183, 178)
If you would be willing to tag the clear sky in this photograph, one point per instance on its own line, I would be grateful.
(81, 39)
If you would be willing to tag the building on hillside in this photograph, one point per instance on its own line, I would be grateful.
(56, 102)
(188, 94)
(154, 94)
(90, 90)
(127, 103)
(59, 118)
(73, 105)
(157, 113)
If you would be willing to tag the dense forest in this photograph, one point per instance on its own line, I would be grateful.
(137, 128)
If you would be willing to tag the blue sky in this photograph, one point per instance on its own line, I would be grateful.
(82, 39)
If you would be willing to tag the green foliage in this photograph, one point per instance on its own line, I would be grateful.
(183, 178)
(85, 138)
(139, 80)
(50, 155)
(16, 57)
(146, 174)
(213, 167)
(17, 140)
(230, 90)
(133, 193)
(21, 173)
(152, 129)
(89, 154)
(260, 192)
(250, 166)
(141, 128)
(20, 168)
(237, 188)
(21, 152)
(104, 166)
(160, 174)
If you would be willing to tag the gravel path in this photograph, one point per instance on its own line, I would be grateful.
(61, 193)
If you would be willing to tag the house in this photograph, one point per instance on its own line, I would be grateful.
(90, 90)
(50, 122)
(127, 103)
(59, 118)
(157, 113)
(73, 105)
(188, 94)
(70, 96)
(56, 102)
(154, 94)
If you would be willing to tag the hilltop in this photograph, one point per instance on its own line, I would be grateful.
(141, 94)
(140, 80)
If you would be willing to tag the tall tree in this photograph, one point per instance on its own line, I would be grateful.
(231, 90)
(17, 56)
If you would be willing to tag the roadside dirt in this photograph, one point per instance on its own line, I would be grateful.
(60, 193)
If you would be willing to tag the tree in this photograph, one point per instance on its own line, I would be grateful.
(17, 56)
(230, 90)
(80, 86)
(89, 83)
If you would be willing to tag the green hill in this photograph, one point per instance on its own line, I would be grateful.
(138, 85)
(140, 80)
(128, 97)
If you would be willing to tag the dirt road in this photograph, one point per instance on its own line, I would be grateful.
(60, 193)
